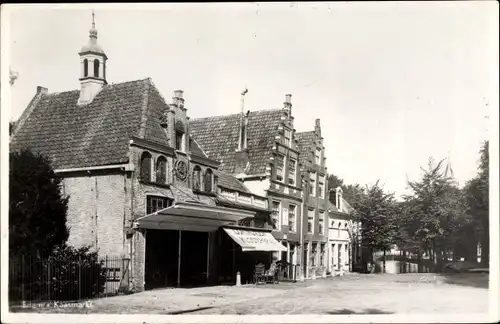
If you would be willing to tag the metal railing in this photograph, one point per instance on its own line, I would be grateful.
(35, 280)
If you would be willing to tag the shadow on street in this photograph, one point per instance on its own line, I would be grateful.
(365, 311)
(476, 280)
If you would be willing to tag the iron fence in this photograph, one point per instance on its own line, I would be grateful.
(33, 280)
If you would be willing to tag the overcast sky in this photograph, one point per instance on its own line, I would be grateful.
(393, 83)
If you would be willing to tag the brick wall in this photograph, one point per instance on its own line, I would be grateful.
(97, 211)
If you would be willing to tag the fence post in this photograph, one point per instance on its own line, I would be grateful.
(79, 277)
(22, 277)
(48, 280)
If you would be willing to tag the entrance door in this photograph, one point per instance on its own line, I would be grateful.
(194, 247)
(162, 248)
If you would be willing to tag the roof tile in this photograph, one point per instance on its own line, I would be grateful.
(218, 137)
(97, 133)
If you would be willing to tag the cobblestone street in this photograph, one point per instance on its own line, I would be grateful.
(351, 294)
(373, 294)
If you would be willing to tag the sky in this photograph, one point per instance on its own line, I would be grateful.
(393, 83)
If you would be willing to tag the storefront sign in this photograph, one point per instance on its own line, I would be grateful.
(254, 240)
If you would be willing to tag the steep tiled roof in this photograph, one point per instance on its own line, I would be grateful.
(94, 134)
(218, 137)
(228, 181)
(345, 206)
(196, 149)
(305, 140)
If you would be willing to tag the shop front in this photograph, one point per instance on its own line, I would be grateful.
(183, 243)
(242, 248)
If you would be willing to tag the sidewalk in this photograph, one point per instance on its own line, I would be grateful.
(176, 300)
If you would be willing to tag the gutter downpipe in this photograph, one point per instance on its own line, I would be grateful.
(302, 235)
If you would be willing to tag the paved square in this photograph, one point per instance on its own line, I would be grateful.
(351, 294)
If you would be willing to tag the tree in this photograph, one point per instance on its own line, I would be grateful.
(334, 182)
(353, 194)
(37, 210)
(476, 193)
(376, 211)
(433, 214)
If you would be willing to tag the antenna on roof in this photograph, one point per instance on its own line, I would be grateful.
(241, 143)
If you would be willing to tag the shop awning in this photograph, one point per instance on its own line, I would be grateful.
(186, 216)
(254, 240)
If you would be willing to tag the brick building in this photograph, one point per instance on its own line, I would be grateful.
(315, 210)
(259, 149)
(140, 187)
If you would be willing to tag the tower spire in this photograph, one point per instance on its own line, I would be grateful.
(93, 66)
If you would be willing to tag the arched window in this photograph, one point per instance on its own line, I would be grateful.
(197, 178)
(161, 170)
(96, 68)
(85, 67)
(208, 180)
(146, 166)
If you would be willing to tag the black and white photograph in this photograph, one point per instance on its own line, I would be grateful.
(260, 162)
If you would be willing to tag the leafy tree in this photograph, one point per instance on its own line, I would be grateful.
(433, 214)
(334, 182)
(353, 194)
(37, 210)
(376, 211)
(476, 192)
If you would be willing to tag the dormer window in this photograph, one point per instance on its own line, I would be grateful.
(146, 167)
(208, 180)
(197, 178)
(96, 68)
(161, 170)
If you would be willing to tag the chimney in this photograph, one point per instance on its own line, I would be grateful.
(178, 99)
(41, 90)
(287, 105)
(242, 141)
(317, 127)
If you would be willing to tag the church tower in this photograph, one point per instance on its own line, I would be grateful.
(93, 67)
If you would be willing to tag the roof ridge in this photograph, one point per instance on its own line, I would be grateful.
(236, 114)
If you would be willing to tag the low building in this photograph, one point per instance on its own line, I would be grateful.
(343, 235)
(139, 186)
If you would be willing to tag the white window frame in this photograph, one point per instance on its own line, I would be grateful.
(321, 221)
(278, 223)
(152, 195)
(287, 140)
(309, 217)
(280, 156)
(294, 207)
(294, 175)
(318, 157)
